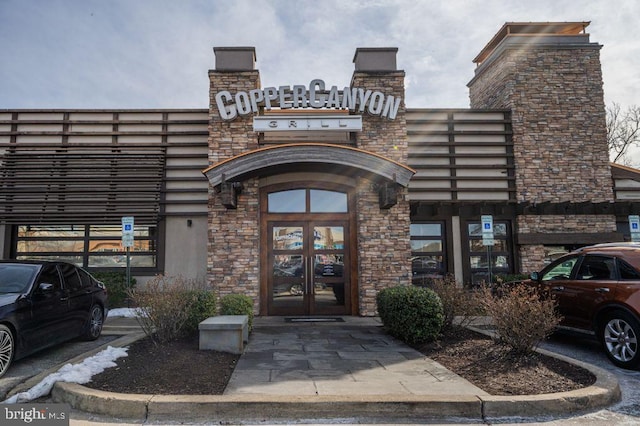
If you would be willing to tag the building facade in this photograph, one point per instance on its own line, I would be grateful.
(311, 198)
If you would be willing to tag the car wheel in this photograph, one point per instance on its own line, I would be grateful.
(96, 320)
(7, 348)
(619, 333)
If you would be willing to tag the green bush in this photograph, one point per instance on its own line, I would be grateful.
(412, 314)
(237, 304)
(116, 283)
(202, 305)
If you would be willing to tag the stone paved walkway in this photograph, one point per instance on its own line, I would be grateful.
(354, 357)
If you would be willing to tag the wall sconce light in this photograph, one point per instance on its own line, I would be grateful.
(189, 223)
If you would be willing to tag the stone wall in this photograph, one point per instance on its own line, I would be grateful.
(556, 97)
(558, 118)
(532, 257)
(234, 234)
(384, 248)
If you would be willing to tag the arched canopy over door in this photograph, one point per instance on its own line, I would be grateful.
(306, 157)
(227, 175)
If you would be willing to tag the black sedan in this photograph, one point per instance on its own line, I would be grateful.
(44, 303)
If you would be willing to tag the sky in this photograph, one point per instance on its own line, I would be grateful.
(156, 53)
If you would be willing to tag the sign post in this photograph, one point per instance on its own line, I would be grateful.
(634, 227)
(127, 242)
(487, 239)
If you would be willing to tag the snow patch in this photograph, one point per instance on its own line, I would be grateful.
(72, 373)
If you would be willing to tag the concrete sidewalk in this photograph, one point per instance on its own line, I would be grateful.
(333, 372)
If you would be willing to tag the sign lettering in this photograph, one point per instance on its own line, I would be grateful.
(354, 99)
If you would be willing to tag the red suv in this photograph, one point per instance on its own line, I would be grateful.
(598, 289)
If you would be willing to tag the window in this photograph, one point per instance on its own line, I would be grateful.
(319, 201)
(427, 252)
(560, 271)
(88, 246)
(627, 272)
(50, 275)
(71, 278)
(479, 254)
(597, 268)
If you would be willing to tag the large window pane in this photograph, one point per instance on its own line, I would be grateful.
(293, 201)
(45, 246)
(426, 245)
(428, 252)
(328, 237)
(38, 231)
(328, 201)
(426, 230)
(100, 245)
(287, 238)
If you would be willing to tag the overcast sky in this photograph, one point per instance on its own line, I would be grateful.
(156, 53)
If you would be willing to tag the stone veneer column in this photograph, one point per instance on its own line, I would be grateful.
(384, 248)
(553, 85)
(234, 237)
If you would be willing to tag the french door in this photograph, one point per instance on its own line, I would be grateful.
(308, 267)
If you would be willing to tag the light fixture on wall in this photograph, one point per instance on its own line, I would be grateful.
(189, 223)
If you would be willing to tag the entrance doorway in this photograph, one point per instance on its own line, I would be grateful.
(307, 253)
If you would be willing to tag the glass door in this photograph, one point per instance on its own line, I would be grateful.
(307, 268)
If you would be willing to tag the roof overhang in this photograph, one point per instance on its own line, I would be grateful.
(327, 158)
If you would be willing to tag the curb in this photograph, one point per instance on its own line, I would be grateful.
(125, 340)
(259, 408)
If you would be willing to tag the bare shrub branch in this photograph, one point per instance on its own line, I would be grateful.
(164, 303)
(460, 305)
(521, 316)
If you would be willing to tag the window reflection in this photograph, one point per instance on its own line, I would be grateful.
(285, 265)
(328, 201)
(287, 238)
(328, 237)
(98, 246)
(292, 201)
(427, 252)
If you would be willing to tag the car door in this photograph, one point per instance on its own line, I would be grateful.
(79, 298)
(593, 284)
(555, 278)
(48, 319)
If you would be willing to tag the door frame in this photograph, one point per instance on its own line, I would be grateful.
(351, 295)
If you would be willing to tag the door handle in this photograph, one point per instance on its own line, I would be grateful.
(558, 288)
(602, 290)
(311, 276)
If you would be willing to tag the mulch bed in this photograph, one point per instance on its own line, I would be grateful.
(180, 368)
(175, 368)
(498, 371)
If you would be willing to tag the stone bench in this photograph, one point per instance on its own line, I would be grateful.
(224, 333)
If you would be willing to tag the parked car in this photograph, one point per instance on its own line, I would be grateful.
(598, 289)
(45, 303)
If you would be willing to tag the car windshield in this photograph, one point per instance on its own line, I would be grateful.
(15, 278)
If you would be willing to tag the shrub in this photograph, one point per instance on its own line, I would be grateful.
(237, 304)
(522, 317)
(202, 305)
(411, 314)
(459, 304)
(164, 303)
(117, 289)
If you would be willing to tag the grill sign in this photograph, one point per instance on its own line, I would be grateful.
(285, 97)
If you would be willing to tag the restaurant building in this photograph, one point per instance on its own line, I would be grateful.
(310, 198)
